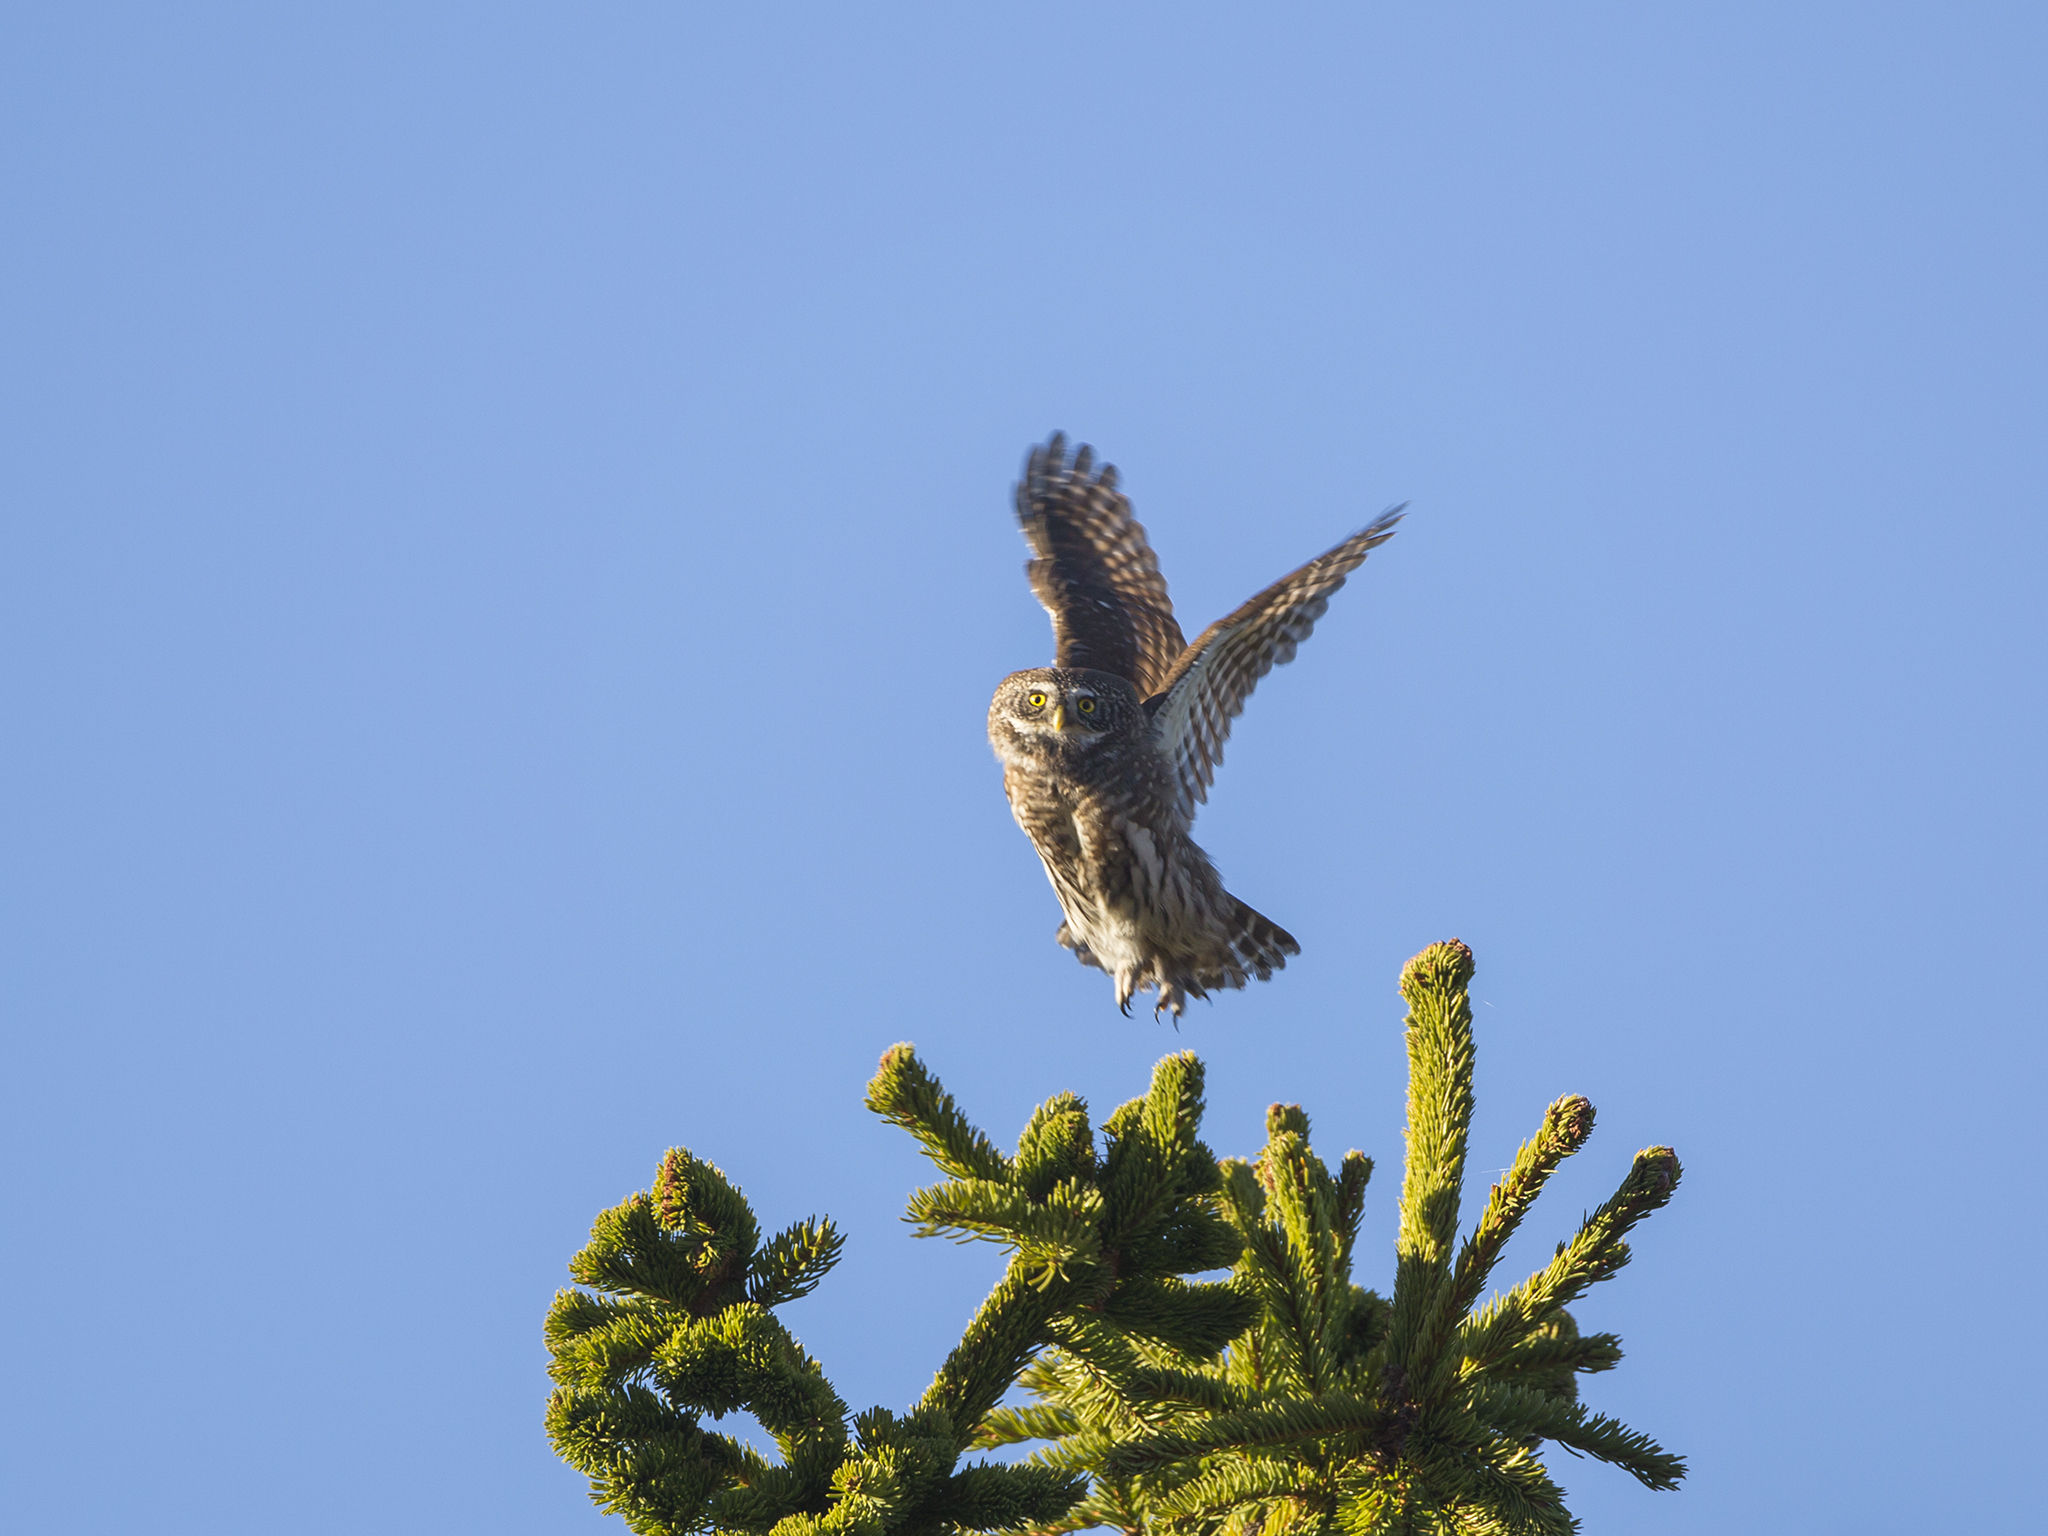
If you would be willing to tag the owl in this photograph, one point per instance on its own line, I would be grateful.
(1107, 752)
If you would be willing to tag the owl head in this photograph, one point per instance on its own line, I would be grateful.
(1060, 713)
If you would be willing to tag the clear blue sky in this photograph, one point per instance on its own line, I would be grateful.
(506, 554)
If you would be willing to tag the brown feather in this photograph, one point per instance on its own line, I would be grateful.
(1211, 679)
(1093, 569)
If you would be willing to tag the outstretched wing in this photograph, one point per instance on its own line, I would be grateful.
(1093, 570)
(1213, 677)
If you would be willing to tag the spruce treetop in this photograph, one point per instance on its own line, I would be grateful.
(1281, 1398)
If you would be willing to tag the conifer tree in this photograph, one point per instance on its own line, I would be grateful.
(1285, 1398)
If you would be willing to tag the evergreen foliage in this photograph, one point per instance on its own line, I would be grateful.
(1339, 1411)
(1284, 1399)
(677, 1321)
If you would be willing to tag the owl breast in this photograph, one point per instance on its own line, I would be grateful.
(1109, 834)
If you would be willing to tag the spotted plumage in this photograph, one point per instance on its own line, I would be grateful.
(1107, 752)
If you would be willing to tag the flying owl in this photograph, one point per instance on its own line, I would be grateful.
(1107, 752)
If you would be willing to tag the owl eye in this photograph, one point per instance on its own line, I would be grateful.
(1087, 706)
(1035, 700)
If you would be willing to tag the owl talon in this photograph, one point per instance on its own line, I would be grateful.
(1126, 987)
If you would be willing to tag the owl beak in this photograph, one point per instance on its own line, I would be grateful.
(1059, 717)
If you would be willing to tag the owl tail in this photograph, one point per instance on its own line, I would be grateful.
(1258, 945)
(1244, 945)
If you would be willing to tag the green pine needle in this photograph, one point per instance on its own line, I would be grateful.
(1283, 1401)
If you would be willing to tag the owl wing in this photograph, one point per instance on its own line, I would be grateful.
(1212, 678)
(1093, 570)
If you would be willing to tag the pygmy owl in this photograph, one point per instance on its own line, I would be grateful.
(1107, 752)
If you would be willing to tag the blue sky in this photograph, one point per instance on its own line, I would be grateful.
(507, 551)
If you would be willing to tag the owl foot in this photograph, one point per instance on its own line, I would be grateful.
(1173, 999)
(1170, 1000)
(1066, 940)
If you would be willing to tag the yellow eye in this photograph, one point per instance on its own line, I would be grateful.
(1087, 706)
(1035, 700)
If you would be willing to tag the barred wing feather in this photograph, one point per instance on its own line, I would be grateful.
(1213, 677)
(1093, 569)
